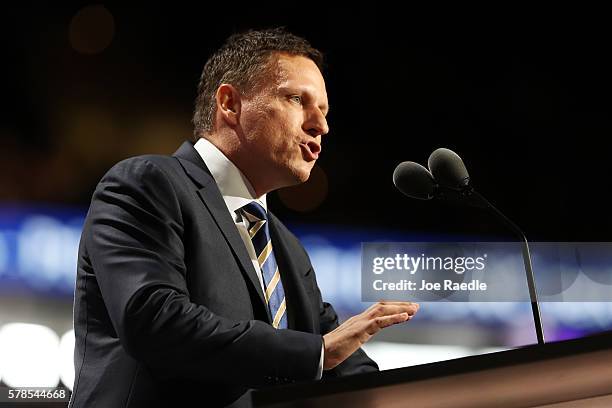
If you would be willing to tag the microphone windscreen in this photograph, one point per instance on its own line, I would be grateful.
(448, 169)
(414, 180)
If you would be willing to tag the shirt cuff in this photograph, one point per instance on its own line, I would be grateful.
(320, 370)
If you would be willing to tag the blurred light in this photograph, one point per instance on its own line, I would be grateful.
(306, 196)
(66, 359)
(4, 254)
(29, 355)
(338, 273)
(92, 29)
(100, 134)
(395, 355)
(47, 251)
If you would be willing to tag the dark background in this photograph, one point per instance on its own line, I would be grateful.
(522, 95)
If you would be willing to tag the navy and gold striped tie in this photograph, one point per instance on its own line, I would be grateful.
(260, 236)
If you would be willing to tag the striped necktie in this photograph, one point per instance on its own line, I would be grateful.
(260, 237)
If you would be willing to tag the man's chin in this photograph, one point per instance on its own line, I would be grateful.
(304, 173)
(299, 176)
(303, 177)
(295, 175)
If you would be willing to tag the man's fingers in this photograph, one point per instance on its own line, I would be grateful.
(384, 304)
(386, 321)
(388, 302)
(387, 309)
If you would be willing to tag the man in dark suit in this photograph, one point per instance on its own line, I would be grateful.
(189, 291)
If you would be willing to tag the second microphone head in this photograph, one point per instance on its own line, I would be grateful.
(448, 169)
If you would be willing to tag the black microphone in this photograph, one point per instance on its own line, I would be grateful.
(449, 180)
(448, 169)
(453, 180)
(414, 180)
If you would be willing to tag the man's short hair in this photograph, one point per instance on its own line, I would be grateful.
(241, 61)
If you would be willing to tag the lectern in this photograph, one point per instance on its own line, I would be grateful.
(572, 373)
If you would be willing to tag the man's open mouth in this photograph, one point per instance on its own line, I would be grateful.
(311, 149)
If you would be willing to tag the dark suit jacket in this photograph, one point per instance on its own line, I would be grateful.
(168, 308)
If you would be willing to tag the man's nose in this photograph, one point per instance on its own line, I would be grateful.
(316, 123)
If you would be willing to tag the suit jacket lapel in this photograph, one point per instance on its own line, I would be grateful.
(299, 312)
(213, 200)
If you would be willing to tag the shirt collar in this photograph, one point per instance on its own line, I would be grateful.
(235, 188)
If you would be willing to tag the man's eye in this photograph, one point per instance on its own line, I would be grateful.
(296, 98)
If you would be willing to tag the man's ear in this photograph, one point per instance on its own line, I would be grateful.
(228, 104)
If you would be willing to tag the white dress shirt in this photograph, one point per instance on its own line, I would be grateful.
(237, 192)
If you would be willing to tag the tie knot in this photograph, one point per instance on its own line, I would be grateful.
(256, 210)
